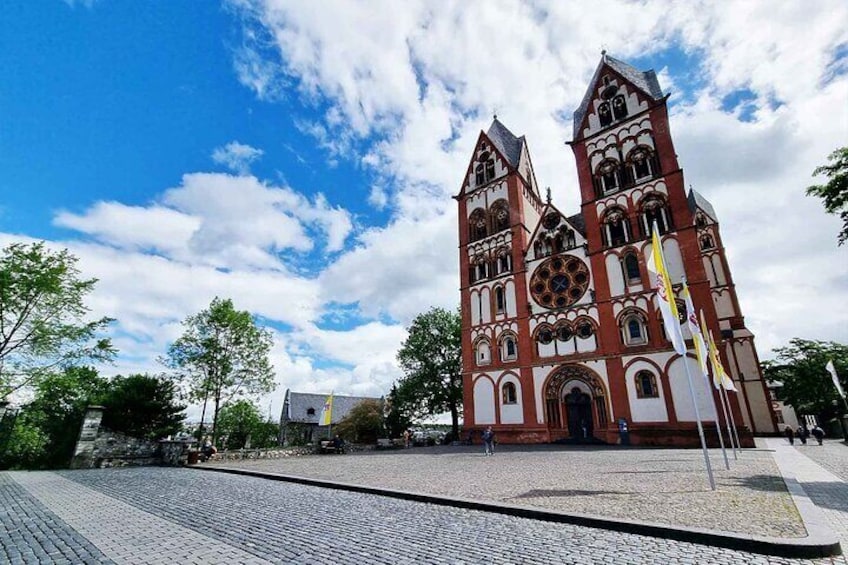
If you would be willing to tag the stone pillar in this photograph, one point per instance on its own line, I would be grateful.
(88, 433)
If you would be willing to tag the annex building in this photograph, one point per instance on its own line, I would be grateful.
(561, 336)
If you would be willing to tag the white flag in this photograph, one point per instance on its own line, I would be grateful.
(832, 370)
(665, 294)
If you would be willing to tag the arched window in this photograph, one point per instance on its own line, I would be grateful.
(707, 242)
(483, 353)
(633, 328)
(605, 114)
(504, 261)
(654, 209)
(584, 328)
(564, 331)
(616, 228)
(485, 169)
(509, 394)
(500, 303)
(607, 177)
(490, 169)
(631, 268)
(619, 107)
(642, 164)
(569, 239)
(477, 225)
(478, 175)
(509, 349)
(478, 270)
(544, 335)
(500, 216)
(310, 411)
(646, 385)
(700, 220)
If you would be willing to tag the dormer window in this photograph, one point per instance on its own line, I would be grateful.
(310, 411)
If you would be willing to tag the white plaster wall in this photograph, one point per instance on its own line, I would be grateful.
(589, 344)
(616, 279)
(547, 349)
(511, 413)
(566, 347)
(475, 308)
(681, 395)
(539, 376)
(708, 267)
(485, 305)
(509, 294)
(719, 269)
(723, 304)
(673, 259)
(484, 401)
(645, 409)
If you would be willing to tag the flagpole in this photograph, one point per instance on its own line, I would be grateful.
(700, 427)
(721, 396)
(732, 421)
(718, 422)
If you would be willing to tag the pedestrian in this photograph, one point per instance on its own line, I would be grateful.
(818, 433)
(790, 435)
(802, 434)
(489, 441)
(338, 444)
(406, 437)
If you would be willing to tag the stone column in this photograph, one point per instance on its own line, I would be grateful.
(88, 433)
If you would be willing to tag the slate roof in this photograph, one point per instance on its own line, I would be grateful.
(696, 201)
(578, 222)
(645, 81)
(299, 404)
(509, 145)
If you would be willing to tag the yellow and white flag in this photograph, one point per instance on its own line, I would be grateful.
(326, 412)
(720, 376)
(695, 330)
(665, 294)
(832, 370)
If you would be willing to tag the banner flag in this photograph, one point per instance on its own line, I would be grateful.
(832, 370)
(720, 376)
(695, 330)
(326, 412)
(665, 294)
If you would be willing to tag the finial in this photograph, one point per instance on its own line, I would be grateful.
(604, 54)
(549, 195)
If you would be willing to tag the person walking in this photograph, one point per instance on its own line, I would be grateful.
(489, 441)
(802, 434)
(790, 435)
(818, 433)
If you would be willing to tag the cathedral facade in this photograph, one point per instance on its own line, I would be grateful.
(562, 339)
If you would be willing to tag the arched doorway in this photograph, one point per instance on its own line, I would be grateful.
(575, 405)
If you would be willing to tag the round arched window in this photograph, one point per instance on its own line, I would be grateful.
(559, 282)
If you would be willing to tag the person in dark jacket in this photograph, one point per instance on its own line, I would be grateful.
(790, 435)
(802, 434)
(489, 441)
(818, 433)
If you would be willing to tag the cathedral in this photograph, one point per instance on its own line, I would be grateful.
(562, 339)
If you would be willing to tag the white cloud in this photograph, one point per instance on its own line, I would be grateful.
(236, 156)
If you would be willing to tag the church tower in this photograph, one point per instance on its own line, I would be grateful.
(562, 339)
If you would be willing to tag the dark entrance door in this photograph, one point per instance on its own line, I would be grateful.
(579, 407)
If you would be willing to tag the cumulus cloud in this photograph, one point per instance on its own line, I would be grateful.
(236, 156)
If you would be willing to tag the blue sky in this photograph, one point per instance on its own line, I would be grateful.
(300, 157)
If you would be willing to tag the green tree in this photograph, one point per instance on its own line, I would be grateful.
(26, 445)
(52, 420)
(42, 316)
(222, 355)
(142, 406)
(431, 357)
(807, 386)
(364, 422)
(396, 417)
(835, 192)
(238, 421)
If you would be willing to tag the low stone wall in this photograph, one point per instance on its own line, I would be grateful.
(279, 453)
(113, 449)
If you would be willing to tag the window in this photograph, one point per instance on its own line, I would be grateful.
(509, 394)
(642, 164)
(490, 169)
(509, 350)
(478, 175)
(477, 225)
(585, 329)
(700, 220)
(500, 303)
(504, 261)
(483, 354)
(545, 335)
(607, 177)
(615, 230)
(654, 209)
(619, 107)
(707, 243)
(485, 169)
(310, 411)
(500, 216)
(633, 328)
(631, 268)
(646, 385)
(604, 114)
(564, 332)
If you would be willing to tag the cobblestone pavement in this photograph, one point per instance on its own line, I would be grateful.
(667, 486)
(153, 511)
(832, 455)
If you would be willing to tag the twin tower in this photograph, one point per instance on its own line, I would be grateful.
(562, 339)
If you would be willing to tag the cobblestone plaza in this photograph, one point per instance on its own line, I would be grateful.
(158, 515)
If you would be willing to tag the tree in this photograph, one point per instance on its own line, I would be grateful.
(221, 356)
(239, 421)
(363, 423)
(396, 417)
(835, 192)
(807, 386)
(42, 316)
(431, 357)
(142, 406)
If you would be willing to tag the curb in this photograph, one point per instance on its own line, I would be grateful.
(821, 543)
